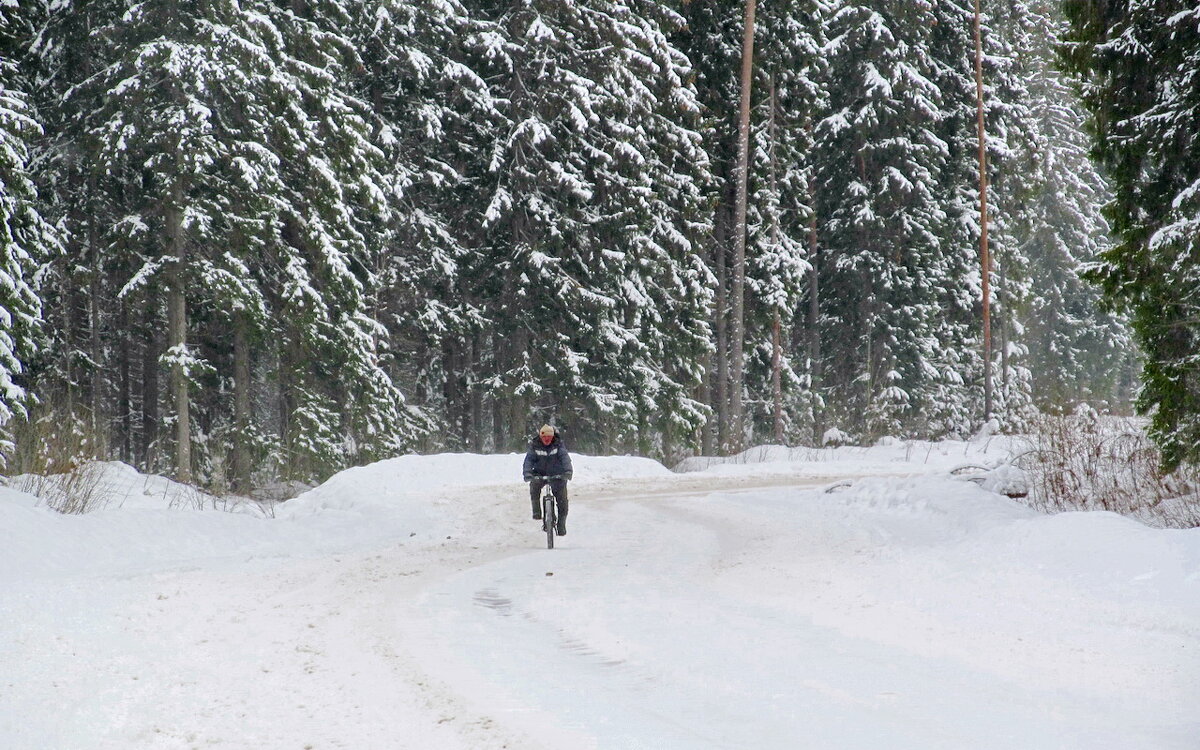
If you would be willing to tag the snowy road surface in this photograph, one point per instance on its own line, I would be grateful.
(716, 610)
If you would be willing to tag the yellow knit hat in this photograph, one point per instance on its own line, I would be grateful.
(546, 430)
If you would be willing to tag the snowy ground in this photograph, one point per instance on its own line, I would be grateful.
(735, 607)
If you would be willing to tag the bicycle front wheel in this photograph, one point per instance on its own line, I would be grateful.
(550, 517)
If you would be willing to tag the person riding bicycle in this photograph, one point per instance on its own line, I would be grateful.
(548, 457)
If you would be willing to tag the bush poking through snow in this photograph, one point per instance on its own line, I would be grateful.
(54, 462)
(1088, 462)
(75, 491)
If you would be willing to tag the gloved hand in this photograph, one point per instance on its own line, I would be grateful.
(568, 475)
(528, 477)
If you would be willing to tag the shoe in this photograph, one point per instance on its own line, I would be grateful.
(561, 530)
(537, 516)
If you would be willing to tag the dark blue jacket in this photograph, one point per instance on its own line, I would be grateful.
(547, 460)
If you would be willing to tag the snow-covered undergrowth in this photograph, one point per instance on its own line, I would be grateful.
(1085, 461)
(412, 604)
(113, 484)
(889, 455)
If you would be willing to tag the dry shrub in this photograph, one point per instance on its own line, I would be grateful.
(1085, 461)
(74, 491)
(54, 460)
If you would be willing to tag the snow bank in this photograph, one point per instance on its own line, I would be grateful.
(118, 485)
(888, 456)
(405, 480)
(151, 522)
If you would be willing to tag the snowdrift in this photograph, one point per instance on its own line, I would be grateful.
(153, 522)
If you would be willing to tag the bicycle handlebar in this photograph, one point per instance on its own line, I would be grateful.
(550, 476)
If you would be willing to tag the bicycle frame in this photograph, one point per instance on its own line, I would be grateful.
(549, 509)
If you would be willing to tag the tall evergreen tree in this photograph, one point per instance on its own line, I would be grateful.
(1140, 67)
(781, 219)
(880, 156)
(589, 197)
(1051, 200)
(240, 185)
(24, 234)
(431, 110)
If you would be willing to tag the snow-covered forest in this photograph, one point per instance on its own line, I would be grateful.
(244, 239)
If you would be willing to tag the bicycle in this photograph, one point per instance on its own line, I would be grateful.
(549, 510)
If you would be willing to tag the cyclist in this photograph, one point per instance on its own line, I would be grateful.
(547, 457)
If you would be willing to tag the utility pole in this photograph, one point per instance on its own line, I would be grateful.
(985, 258)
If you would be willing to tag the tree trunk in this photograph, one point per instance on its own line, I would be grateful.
(814, 325)
(777, 380)
(125, 396)
(476, 393)
(721, 314)
(777, 344)
(287, 403)
(814, 312)
(738, 287)
(96, 353)
(707, 431)
(1002, 324)
(499, 362)
(150, 387)
(177, 340)
(240, 463)
(985, 259)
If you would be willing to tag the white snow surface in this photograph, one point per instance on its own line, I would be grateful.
(413, 604)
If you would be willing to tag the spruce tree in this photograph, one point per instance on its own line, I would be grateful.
(1139, 64)
(1054, 194)
(588, 205)
(781, 219)
(25, 236)
(879, 158)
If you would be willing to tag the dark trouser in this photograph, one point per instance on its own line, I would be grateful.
(557, 486)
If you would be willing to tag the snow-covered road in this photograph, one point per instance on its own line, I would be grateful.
(737, 610)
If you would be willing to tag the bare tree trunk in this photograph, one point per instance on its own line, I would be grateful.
(721, 386)
(814, 323)
(68, 305)
(777, 344)
(777, 381)
(985, 259)
(177, 340)
(96, 353)
(125, 396)
(707, 431)
(814, 317)
(287, 377)
(476, 393)
(240, 465)
(499, 410)
(150, 387)
(1002, 323)
(738, 288)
